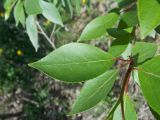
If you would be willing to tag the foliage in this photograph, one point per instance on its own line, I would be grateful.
(79, 62)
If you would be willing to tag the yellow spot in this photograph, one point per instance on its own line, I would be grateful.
(1, 51)
(47, 22)
(1, 14)
(84, 2)
(19, 53)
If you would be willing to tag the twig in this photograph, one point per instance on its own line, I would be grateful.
(45, 35)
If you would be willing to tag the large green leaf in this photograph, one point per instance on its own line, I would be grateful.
(75, 62)
(32, 7)
(94, 91)
(143, 51)
(19, 13)
(51, 12)
(119, 46)
(149, 17)
(32, 31)
(149, 77)
(97, 27)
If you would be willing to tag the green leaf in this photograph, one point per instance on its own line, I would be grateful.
(75, 62)
(149, 75)
(50, 12)
(129, 110)
(154, 113)
(143, 51)
(117, 113)
(149, 17)
(19, 13)
(117, 33)
(8, 5)
(32, 7)
(129, 19)
(119, 46)
(97, 27)
(135, 76)
(130, 113)
(32, 31)
(94, 91)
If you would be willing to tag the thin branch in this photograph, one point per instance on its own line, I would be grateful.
(45, 35)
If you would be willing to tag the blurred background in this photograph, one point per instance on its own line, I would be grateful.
(26, 94)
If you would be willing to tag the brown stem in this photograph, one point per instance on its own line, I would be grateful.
(120, 99)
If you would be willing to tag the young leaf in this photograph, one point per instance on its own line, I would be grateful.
(94, 91)
(149, 17)
(50, 12)
(130, 113)
(143, 51)
(119, 46)
(32, 7)
(149, 77)
(19, 13)
(32, 31)
(98, 26)
(75, 62)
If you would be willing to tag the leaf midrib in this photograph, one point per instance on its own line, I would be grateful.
(77, 63)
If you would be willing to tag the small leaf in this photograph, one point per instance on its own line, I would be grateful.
(130, 113)
(135, 76)
(143, 51)
(149, 17)
(50, 12)
(94, 91)
(149, 75)
(97, 27)
(117, 113)
(75, 62)
(32, 31)
(117, 33)
(119, 46)
(19, 13)
(32, 7)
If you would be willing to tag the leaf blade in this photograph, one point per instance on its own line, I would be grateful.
(90, 96)
(149, 75)
(148, 20)
(98, 26)
(75, 62)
